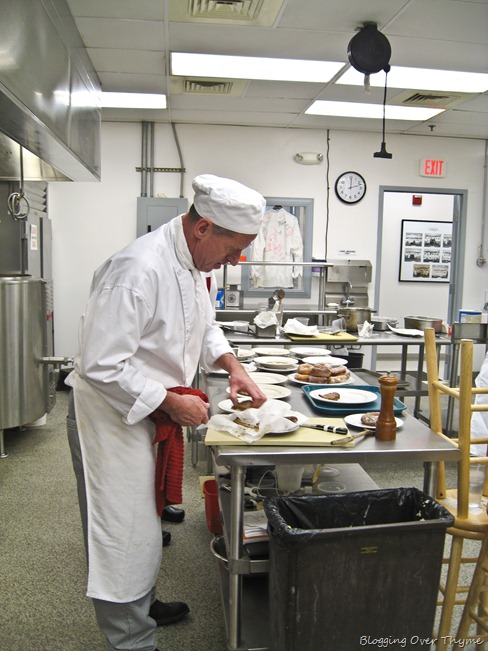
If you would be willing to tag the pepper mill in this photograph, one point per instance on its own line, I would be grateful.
(386, 423)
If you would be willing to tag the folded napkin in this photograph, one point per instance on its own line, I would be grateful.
(366, 329)
(265, 319)
(295, 327)
(270, 417)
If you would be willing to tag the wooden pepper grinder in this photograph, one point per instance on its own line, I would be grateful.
(386, 423)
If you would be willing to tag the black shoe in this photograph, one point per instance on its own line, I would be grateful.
(166, 538)
(173, 514)
(169, 612)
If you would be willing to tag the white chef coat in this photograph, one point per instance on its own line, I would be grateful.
(479, 419)
(279, 240)
(148, 320)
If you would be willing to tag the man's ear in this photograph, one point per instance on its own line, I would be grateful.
(202, 228)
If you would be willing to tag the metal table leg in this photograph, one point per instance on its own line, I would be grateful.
(235, 553)
(430, 473)
(3, 454)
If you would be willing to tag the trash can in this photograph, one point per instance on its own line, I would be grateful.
(355, 359)
(349, 570)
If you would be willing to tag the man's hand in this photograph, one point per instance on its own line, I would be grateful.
(240, 381)
(186, 410)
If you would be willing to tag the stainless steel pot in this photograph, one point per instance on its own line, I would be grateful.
(381, 322)
(423, 322)
(354, 316)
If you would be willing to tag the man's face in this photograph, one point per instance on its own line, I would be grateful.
(213, 250)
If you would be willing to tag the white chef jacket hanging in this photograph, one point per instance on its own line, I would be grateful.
(279, 240)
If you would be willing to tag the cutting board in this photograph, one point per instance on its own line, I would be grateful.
(339, 338)
(302, 437)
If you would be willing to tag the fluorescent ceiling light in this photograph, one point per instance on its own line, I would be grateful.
(375, 111)
(237, 67)
(134, 100)
(422, 79)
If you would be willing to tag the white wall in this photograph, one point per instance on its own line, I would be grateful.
(92, 220)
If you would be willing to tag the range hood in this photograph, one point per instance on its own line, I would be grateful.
(49, 95)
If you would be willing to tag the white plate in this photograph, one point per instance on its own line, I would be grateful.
(271, 391)
(288, 367)
(347, 396)
(276, 362)
(273, 350)
(328, 359)
(286, 430)
(244, 353)
(309, 350)
(228, 405)
(292, 378)
(267, 378)
(407, 332)
(354, 420)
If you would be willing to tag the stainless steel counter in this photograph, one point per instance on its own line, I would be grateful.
(415, 442)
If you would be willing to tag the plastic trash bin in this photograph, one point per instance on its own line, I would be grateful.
(355, 359)
(349, 570)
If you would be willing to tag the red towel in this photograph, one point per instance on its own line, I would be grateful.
(169, 463)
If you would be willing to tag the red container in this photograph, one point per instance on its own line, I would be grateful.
(212, 509)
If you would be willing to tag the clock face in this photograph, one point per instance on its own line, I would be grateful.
(350, 187)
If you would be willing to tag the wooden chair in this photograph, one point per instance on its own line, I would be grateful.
(467, 524)
(476, 607)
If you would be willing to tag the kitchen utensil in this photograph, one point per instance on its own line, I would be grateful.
(352, 437)
(328, 428)
(423, 322)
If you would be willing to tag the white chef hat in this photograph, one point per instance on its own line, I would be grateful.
(228, 203)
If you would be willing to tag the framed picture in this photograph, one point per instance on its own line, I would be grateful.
(425, 251)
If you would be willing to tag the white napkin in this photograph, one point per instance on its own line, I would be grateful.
(366, 329)
(265, 319)
(295, 327)
(270, 417)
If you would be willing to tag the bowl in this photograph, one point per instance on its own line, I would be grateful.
(423, 322)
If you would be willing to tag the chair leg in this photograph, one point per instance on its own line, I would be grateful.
(476, 602)
(450, 590)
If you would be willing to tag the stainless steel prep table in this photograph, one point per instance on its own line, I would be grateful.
(412, 387)
(414, 442)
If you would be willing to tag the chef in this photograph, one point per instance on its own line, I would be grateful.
(148, 323)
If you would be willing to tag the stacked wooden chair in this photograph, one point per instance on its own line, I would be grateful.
(468, 524)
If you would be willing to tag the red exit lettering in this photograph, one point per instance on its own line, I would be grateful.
(432, 167)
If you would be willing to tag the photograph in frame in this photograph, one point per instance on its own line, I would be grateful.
(425, 251)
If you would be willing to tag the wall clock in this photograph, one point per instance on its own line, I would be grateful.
(350, 187)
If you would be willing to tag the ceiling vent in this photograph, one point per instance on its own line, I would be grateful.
(259, 13)
(208, 87)
(247, 9)
(430, 99)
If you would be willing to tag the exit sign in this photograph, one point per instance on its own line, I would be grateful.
(432, 167)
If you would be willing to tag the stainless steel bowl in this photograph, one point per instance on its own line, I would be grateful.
(423, 322)
(381, 323)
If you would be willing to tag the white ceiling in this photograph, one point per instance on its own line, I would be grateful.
(129, 43)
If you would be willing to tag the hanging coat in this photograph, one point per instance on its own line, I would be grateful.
(279, 240)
